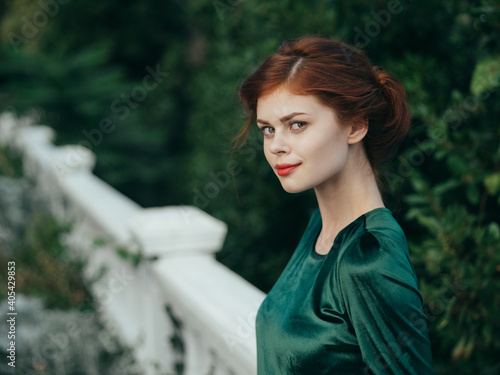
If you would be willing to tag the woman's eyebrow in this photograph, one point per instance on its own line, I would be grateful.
(284, 118)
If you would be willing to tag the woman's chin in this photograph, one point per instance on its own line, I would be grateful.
(293, 188)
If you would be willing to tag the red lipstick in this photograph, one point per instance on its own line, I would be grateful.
(286, 169)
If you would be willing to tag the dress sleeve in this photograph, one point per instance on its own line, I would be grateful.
(385, 307)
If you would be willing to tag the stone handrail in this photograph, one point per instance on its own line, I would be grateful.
(152, 271)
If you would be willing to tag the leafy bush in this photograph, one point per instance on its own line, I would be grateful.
(32, 238)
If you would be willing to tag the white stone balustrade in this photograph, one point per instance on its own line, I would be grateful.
(141, 262)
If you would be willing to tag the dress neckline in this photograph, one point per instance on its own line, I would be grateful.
(317, 231)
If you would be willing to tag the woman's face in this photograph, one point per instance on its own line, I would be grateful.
(304, 142)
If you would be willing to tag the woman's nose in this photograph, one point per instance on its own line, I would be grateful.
(279, 143)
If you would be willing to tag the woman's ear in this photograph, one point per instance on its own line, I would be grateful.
(357, 132)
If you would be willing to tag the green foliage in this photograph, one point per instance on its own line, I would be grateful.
(172, 147)
(127, 255)
(10, 163)
(42, 267)
(176, 340)
(455, 201)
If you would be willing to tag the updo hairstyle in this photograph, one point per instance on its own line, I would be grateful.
(342, 78)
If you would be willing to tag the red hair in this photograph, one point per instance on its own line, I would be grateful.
(343, 78)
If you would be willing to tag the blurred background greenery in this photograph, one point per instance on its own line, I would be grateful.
(150, 86)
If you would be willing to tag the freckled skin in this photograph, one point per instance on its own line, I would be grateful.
(315, 138)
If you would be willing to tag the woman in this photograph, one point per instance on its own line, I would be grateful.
(348, 300)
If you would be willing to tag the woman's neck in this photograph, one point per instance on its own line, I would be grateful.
(341, 200)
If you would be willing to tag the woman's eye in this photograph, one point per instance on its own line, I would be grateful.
(297, 125)
(267, 130)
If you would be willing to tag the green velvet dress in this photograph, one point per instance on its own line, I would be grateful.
(355, 310)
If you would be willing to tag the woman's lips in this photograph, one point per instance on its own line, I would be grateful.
(286, 169)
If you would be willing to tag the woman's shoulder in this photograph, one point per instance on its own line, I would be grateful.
(378, 245)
